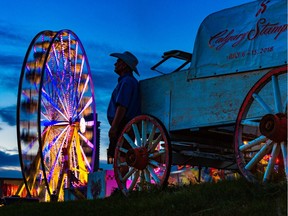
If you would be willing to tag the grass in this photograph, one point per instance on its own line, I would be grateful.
(223, 198)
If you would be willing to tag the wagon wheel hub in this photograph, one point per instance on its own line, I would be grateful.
(137, 158)
(274, 127)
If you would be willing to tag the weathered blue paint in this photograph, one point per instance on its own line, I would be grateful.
(182, 104)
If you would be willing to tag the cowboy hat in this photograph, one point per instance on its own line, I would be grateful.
(129, 59)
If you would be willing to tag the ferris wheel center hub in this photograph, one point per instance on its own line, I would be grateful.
(82, 125)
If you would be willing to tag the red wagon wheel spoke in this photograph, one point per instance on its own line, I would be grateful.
(143, 155)
(261, 129)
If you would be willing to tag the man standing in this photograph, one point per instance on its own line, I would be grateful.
(125, 99)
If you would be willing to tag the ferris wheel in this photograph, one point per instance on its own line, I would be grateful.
(56, 116)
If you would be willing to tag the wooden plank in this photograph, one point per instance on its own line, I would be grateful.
(196, 103)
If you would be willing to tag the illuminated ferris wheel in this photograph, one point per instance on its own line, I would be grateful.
(56, 116)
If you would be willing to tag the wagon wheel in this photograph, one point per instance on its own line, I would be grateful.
(55, 116)
(143, 155)
(261, 129)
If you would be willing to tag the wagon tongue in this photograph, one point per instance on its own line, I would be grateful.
(274, 127)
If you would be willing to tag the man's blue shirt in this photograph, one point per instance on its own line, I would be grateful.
(126, 94)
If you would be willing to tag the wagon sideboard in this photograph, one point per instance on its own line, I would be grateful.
(183, 104)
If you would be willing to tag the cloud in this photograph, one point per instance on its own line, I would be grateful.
(10, 168)
(11, 61)
(9, 36)
(8, 114)
(10, 33)
(7, 159)
(10, 172)
(9, 163)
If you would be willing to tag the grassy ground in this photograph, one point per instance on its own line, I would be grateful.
(222, 198)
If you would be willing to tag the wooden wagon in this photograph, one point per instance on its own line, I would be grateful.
(228, 110)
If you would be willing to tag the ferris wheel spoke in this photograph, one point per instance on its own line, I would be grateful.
(82, 64)
(69, 47)
(80, 71)
(55, 55)
(48, 123)
(79, 81)
(64, 59)
(277, 94)
(29, 146)
(80, 161)
(32, 143)
(85, 159)
(84, 89)
(87, 141)
(55, 140)
(86, 106)
(60, 95)
(56, 161)
(46, 118)
(77, 68)
(76, 90)
(63, 103)
(76, 54)
(262, 103)
(47, 97)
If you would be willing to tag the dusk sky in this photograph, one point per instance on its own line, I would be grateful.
(147, 28)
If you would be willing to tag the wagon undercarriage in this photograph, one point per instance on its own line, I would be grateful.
(204, 147)
(254, 144)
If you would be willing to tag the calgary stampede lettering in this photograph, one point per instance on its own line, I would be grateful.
(262, 28)
(262, 8)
